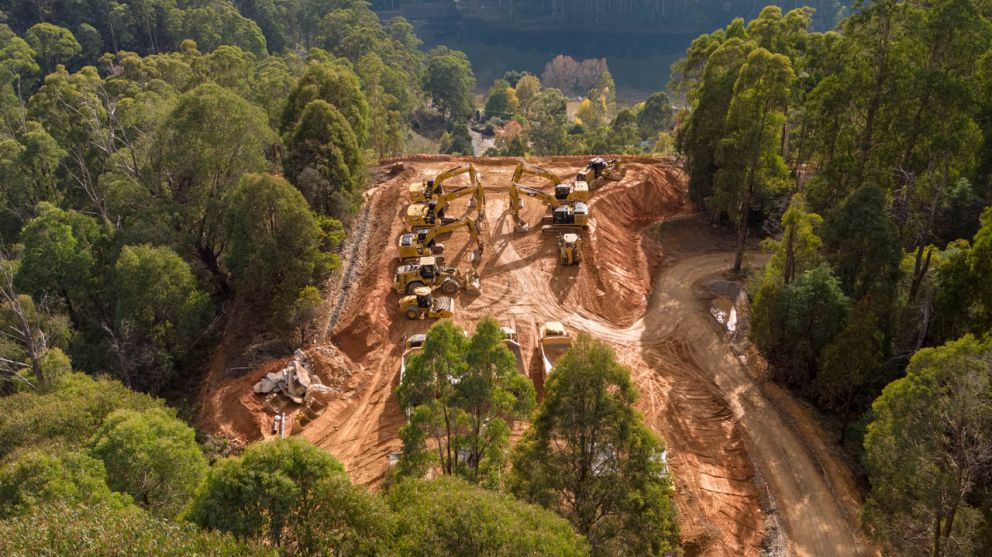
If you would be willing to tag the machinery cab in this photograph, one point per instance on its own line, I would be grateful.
(420, 214)
(576, 214)
(425, 300)
(414, 342)
(572, 191)
(569, 248)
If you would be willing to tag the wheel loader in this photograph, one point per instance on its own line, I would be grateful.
(600, 170)
(569, 248)
(422, 304)
(427, 271)
(426, 190)
(423, 241)
(567, 192)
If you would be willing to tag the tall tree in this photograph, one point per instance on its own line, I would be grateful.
(749, 158)
(589, 456)
(926, 450)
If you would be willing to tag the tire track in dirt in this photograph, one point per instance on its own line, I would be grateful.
(722, 434)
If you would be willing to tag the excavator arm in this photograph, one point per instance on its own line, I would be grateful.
(468, 224)
(475, 189)
(516, 202)
(427, 190)
(534, 170)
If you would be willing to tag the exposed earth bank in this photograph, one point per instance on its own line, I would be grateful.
(752, 471)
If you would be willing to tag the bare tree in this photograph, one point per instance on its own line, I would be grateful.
(22, 331)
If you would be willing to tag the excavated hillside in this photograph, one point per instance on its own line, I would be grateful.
(752, 473)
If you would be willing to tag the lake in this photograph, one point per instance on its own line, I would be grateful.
(639, 62)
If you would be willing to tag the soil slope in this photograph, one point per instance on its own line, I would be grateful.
(724, 434)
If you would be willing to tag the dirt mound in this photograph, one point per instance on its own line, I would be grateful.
(615, 281)
(688, 377)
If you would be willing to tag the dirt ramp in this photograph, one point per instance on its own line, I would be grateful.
(615, 281)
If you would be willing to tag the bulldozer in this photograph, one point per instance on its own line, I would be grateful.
(423, 305)
(569, 248)
(428, 272)
(423, 241)
(554, 341)
(568, 192)
(563, 214)
(430, 214)
(425, 191)
(600, 170)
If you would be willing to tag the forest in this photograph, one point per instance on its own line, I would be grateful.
(168, 168)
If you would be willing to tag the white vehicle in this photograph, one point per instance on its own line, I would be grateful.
(555, 341)
(513, 343)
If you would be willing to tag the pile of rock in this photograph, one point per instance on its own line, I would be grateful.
(297, 383)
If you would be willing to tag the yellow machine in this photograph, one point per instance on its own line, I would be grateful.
(431, 213)
(423, 241)
(554, 341)
(563, 214)
(568, 192)
(426, 190)
(600, 170)
(423, 305)
(428, 272)
(569, 248)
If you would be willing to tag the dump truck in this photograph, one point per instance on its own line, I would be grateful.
(423, 241)
(600, 170)
(426, 190)
(422, 304)
(427, 271)
(554, 341)
(512, 342)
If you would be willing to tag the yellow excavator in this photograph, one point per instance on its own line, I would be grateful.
(600, 170)
(563, 214)
(564, 191)
(425, 191)
(569, 248)
(423, 241)
(422, 304)
(431, 213)
(428, 271)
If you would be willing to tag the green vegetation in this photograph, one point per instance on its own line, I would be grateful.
(589, 456)
(449, 516)
(463, 395)
(885, 277)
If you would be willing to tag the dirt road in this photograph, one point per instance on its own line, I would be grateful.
(634, 291)
(814, 522)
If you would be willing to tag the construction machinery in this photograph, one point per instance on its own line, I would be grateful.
(568, 192)
(430, 213)
(555, 341)
(511, 341)
(569, 248)
(600, 170)
(427, 271)
(426, 190)
(422, 304)
(423, 241)
(563, 214)
(411, 345)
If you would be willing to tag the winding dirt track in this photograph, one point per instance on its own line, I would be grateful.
(735, 456)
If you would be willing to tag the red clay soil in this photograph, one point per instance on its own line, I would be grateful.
(679, 361)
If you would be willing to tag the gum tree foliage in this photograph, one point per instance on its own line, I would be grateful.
(337, 85)
(323, 143)
(464, 395)
(275, 245)
(928, 449)
(449, 80)
(36, 477)
(589, 456)
(159, 313)
(152, 456)
(448, 516)
(293, 496)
